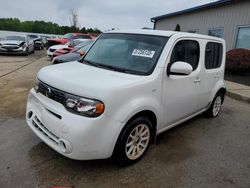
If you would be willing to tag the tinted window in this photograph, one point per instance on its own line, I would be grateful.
(213, 57)
(187, 51)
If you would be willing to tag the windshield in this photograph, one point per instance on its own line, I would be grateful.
(85, 48)
(33, 36)
(68, 43)
(129, 53)
(15, 38)
(83, 43)
(67, 36)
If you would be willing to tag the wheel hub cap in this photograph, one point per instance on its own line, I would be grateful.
(137, 141)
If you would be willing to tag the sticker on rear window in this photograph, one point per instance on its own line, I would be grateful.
(143, 53)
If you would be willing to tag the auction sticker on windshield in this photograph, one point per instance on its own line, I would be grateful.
(143, 53)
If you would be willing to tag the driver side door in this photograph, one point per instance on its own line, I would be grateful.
(180, 93)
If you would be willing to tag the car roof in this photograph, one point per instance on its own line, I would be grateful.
(165, 33)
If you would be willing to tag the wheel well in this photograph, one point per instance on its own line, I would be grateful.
(223, 91)
(152, 118)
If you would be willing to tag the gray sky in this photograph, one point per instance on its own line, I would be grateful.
(126, 14)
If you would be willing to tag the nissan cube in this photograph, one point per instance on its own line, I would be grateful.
(130, 86)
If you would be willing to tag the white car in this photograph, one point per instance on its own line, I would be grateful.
(129, 87)
(17, 45)
(71, 43)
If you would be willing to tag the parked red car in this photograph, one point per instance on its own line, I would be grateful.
(67, 37)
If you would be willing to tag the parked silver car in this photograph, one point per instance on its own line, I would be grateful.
(16, 45)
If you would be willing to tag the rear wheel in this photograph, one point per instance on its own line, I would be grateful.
(215, 107)
(133, 141)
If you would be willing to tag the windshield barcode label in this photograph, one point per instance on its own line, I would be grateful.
(143, 53)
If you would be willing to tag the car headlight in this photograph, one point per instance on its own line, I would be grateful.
(83, 106)
(79, 105)
(36, 86)
(23, 45)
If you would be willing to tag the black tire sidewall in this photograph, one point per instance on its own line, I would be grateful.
(209, 112)
(120, 155)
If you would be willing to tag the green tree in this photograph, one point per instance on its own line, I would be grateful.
(14, 24)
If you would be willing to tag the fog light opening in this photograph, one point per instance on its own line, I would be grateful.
(29, 115)
(62, 146)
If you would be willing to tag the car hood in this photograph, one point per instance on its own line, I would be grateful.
(86, 80)
(64, 50)
(59, 40)
(11, 42)
(68, 57)
(59, 46)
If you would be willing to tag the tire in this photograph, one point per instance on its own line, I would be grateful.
(133, 141)
(215, 107)
(27, 52)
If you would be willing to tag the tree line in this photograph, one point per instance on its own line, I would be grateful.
(14, 24)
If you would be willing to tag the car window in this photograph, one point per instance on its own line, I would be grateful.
(187, 51)
(213, 57)
(82, 37)
(18, 38)
(67, 36)
(129, 53)
(85, 48)
(83, 43)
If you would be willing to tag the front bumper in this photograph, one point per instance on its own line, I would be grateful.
(12, 51)
(73, 136)
(49, 54)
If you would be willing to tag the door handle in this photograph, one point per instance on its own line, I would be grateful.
(197, 80)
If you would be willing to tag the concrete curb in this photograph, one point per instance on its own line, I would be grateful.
(238, 91)
(237, 96)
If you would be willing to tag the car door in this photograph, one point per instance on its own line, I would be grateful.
(213, 71)
(180, 92)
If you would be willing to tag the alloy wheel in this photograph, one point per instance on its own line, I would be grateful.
(137, 141)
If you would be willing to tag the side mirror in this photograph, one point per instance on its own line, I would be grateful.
(82, 53)
(180, 68)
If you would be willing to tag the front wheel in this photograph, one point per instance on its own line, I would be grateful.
(215, 107)
(133, 141)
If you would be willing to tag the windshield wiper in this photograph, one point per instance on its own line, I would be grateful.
(90, 63)
(119, 69)
(110, 67)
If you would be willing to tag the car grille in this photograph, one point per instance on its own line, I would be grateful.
(51, 92)
(10, 47)
(44, 130)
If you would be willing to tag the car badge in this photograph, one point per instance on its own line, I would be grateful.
(48, 92)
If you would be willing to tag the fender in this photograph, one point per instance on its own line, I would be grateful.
(139, 104)
(220, 84)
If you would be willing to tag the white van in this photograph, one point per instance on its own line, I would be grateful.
(129, 87)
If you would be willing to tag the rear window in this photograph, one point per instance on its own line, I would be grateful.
(213, 57)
